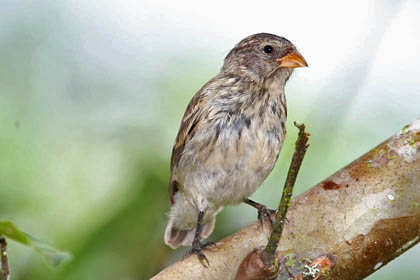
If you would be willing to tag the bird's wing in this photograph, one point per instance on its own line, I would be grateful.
(187, 129)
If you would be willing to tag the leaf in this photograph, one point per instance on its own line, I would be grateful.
(51, 255)
(9, 230)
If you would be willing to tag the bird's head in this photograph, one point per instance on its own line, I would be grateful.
(263, 55)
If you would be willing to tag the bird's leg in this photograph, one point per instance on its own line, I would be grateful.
(263, 211)
(197, 246)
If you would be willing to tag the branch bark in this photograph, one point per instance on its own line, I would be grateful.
(364, 215)
(5, 273)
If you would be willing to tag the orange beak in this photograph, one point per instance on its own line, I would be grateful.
(292, 60)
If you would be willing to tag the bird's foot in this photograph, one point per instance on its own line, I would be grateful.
(197, 249)
(265, 213)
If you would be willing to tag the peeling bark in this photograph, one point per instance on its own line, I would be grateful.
(366, 214)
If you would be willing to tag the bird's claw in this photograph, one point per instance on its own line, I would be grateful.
(210, 244)
(198, 248)
(266, 213)
(201, 256)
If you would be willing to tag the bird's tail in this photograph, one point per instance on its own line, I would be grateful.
(176, 237)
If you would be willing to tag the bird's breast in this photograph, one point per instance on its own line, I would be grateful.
(246, 149)
(232, 153)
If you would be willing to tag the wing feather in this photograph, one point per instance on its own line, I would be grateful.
(189, 124)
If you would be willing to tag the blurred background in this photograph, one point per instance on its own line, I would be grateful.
(92, 94)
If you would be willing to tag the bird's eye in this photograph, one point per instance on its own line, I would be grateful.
(268, 49)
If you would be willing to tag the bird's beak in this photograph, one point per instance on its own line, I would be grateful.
(292, 60)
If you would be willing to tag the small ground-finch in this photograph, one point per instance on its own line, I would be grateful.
(230, 137)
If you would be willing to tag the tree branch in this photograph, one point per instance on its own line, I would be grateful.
(268, 255)
(263, 263)
(5, 272)
(365, 215)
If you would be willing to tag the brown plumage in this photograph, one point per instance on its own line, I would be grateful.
(230, 136)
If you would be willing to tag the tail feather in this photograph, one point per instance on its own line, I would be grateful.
(176, 237)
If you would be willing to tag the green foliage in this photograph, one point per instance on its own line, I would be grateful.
(51, 255)
(9, 230)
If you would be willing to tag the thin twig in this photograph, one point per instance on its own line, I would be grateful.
(4, 261)
(269, 253)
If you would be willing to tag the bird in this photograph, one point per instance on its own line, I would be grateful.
(230, 138)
